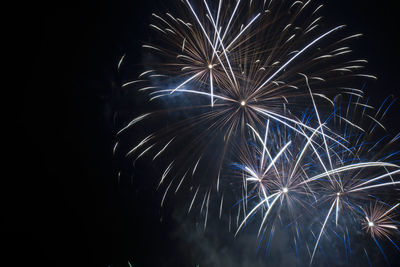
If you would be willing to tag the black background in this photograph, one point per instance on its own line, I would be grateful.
(61, 203)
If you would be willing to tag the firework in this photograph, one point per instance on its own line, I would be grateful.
(221, 71)
(379, 220)
(217, 69)
(303, 180)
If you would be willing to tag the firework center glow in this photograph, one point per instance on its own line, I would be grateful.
(370, 224)
(210, 66)
(243, 103)
(285, 190)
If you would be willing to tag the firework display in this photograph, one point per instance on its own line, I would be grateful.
(262, 109)
(292, 179)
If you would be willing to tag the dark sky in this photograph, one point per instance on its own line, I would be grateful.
(61, 204)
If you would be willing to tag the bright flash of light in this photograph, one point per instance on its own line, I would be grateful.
(222, 70)
(336, 187)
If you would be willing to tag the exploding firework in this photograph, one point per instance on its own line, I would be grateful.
(219, 73)
(379, 220)
(293, 174)
(219, 68)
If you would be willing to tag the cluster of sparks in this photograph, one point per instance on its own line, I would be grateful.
(258, 83)
(293, 175)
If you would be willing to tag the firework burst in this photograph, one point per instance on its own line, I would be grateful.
(302, 179)
(220, 68)
(379, 220)
(222, 71)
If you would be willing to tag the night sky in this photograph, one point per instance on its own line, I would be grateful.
(62, 204)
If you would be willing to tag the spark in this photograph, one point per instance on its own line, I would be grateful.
(221, 72)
